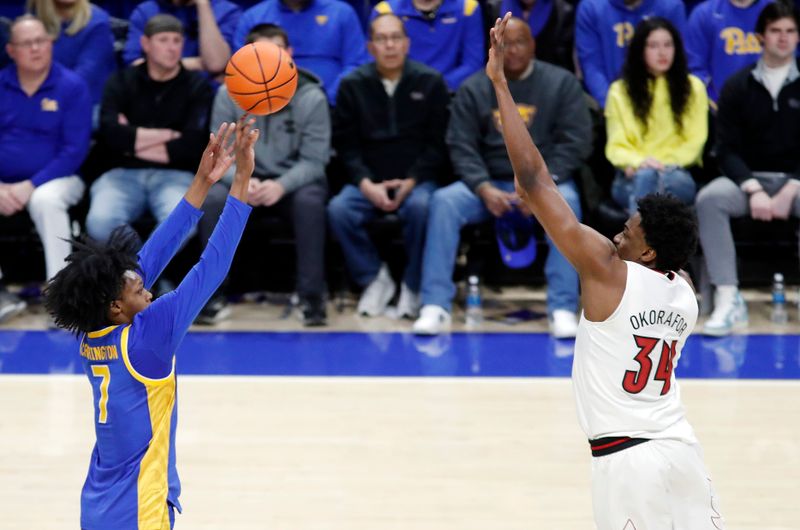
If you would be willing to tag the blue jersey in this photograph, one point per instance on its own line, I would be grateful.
(133, 480)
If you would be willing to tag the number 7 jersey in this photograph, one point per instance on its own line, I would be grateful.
(622, 372)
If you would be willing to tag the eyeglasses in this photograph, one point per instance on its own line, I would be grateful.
(383, 40)
(29, 44)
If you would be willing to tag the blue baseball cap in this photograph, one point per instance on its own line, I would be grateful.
(516, 239)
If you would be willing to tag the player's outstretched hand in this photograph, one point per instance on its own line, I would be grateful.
(244, 151)
(494, 66)
(218, 155)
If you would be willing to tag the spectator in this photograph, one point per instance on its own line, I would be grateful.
(758, 145)
(447, 35)
(45, 122)
(289, 179)
(656, 118)
(552, 103)
(83, 39)
(326, 35)
(603, 29)
(721, 40)
(153, 127)
(552, 23)
(389, 127)
(208, 31)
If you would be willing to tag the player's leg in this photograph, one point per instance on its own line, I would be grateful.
(118, 198)
(691, 494)
(629, 490)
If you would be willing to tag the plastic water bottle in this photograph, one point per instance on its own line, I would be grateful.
(474, 312)
(779, 314)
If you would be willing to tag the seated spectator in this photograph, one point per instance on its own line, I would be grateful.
(153, 127)
(326, 35)
(389, 127)
(603, 29)
(208, 31)
(552, 23)
(721, 40)
(656, 118)
(553, 105)
(758, 144)
(45, 122)
(289, 179)
(83, 39)
(447, 35)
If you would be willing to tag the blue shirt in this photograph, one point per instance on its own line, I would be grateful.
(721, 41)
(44, 136)
(226, 14)
(132, 474)
(90, 52)
(326, 37)
(603, 29)
(537, 17)
(453, 43)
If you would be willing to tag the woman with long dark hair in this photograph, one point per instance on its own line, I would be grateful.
(656, 118)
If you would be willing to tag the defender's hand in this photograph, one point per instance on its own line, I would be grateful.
(494, 66)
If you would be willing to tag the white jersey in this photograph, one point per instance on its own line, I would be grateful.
(622, 372)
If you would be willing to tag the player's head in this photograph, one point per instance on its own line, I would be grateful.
(519, 48)
(270, 33)
(662, 234)
(162, 42)
(388, 42)
(30, 46)
(100, 285)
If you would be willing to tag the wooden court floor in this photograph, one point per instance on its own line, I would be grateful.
(389, 453)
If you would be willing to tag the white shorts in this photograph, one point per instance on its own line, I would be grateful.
(656, 485)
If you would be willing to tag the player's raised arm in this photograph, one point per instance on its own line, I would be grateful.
(587, 250)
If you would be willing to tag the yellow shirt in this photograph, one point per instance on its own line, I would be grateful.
(629, 146)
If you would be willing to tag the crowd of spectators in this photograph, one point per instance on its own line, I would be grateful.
(394, 94)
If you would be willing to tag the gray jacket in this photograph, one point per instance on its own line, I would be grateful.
(295, 143)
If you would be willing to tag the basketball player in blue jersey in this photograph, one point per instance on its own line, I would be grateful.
(128, 341)
(638, 310)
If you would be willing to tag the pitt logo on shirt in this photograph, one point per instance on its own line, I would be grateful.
(737, 42)
(49, 105)
(528, 112)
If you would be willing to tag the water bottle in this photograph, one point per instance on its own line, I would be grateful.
(474, 312)
(779, 314)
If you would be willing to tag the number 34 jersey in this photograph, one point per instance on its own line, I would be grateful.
(623, 368)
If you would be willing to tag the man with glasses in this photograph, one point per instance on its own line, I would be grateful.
(389, 126)
(45, 123)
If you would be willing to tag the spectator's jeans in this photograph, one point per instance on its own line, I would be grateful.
(349, 211)
(674, 180)
(122, 195)
(456, 206)
(48, 208)
(716, 203)
(305, 209)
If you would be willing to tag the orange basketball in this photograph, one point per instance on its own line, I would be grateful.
(261, 78)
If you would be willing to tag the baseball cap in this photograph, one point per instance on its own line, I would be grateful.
(516, 239)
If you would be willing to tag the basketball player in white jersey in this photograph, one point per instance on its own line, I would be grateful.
(638, 309)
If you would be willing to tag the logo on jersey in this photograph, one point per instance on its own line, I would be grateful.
(527, 112)
(49, 105)
(624, 31)
(737, 42)
(321, 19)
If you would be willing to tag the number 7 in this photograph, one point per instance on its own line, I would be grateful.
(101, 370)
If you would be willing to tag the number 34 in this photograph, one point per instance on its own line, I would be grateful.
(635, 381)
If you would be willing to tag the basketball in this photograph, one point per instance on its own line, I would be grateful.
(261, 78)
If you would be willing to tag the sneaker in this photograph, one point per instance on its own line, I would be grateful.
(377, 295)
(563, 324)
(10, 305)
(314, 312)
(730, 314)
(433, 319)
(408, 304)
(214, 312)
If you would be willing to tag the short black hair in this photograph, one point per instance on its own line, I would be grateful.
(381, 15)
(79, 296)
(775, 11)
(267, 31)
(163, 23)
(670, 228)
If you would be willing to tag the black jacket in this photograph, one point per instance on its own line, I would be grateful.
(383, 138)
(182, 103)
(755, 132)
